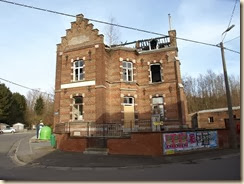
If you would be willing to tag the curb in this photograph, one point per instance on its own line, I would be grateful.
(131, 167)
(15, 147)
(13, 153)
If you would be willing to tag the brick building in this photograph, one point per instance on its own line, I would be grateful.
(123, 84)
(214, 118)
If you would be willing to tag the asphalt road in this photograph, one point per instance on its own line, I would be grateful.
(206, 170)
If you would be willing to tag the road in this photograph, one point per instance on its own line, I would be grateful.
(207, 170)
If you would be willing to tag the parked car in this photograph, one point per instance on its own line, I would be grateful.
(8, 129)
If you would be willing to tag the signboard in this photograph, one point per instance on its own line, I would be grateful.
(183, 141)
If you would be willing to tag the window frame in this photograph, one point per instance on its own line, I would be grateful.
(79, 109)
(127, 70)
(128, 101)
(79, 68)
(210, 119)
(162, 115)
(151, 76)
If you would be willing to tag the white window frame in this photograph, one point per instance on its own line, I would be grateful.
(161, 79)
(78, 68)
(127, 70)
(211, 119)
(157, 105)
(126, 101)
(76, 113)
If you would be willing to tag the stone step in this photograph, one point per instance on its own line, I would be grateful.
(96, 151)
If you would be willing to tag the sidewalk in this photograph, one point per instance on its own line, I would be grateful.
(40, 153)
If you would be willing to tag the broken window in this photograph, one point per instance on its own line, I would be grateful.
(210, 119)
(156, 73)
(127, 71)
(128, 101)
(158, 107)
(78, 70)
(153, 44)
(77, 108)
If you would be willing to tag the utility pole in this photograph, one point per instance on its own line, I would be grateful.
(232, 126)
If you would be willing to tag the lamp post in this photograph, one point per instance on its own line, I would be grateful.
(232, 127)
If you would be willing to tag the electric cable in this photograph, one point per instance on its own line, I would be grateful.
(112, 24)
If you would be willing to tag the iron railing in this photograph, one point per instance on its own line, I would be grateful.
(91, 129)
(147, 44)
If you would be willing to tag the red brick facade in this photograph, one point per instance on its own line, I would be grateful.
(103, 88)
(213, 118)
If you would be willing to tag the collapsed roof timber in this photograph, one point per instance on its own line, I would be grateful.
(147, 44)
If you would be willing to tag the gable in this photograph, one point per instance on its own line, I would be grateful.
(80, 34)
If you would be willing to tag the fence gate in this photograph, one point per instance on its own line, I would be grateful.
(96, 142)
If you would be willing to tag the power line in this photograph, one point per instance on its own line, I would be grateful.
(24, 86)
(108, 23)
(232, 39)
(230, 19)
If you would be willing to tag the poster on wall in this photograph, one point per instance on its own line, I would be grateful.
(192, 140)
(175, 142)
(184, 141)
(213, 139)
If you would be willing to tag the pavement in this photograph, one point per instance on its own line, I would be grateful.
(39, 153)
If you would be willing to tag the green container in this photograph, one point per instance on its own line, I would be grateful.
(53, 140)
(45, 133)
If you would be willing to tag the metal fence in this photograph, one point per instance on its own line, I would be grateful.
(91, 129)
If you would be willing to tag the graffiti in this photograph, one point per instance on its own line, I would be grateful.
(183, 141)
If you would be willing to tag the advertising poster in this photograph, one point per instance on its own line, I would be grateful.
(183, 141)
(192, 140)
(168, 144)
(213, 139)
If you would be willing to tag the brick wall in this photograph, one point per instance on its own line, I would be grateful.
(103, 101)
(219, 119)
(138, 144)
(65, 143)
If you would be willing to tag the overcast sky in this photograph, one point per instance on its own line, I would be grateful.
(28, 37)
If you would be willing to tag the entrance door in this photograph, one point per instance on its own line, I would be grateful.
(129, 114)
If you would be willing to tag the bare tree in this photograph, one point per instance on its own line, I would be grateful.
(47, 115)
(112, 32)
(208, 91)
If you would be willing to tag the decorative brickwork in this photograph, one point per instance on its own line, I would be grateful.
(102, 86)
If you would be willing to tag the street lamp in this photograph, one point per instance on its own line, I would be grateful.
(233, 137)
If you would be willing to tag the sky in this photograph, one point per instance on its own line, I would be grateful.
(28, 37)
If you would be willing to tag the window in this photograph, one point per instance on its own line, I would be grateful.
(128, 101)
(78, 70)
(158, 107)
(77, 108)
(210, 119)
(155, 73)
(127, 71)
